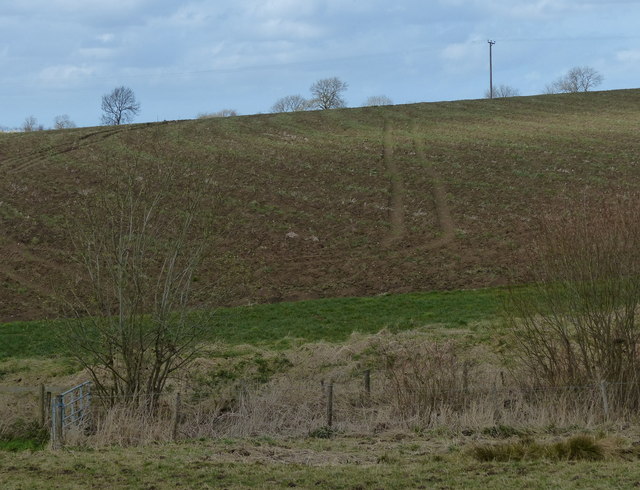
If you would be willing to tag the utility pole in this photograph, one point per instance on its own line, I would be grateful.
(491, 43)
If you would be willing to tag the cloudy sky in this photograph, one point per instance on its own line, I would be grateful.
(182, 58)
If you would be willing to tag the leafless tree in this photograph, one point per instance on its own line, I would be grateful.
(31, 124)
(577, 324)
(222, 113)
(327, 93)
(502, 91)
(135, 241)
(119, 106)
(63, 122)
(291, 103)
(577, 79)
(376, 100)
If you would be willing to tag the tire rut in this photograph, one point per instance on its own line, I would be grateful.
(443, 211)
(397, 230)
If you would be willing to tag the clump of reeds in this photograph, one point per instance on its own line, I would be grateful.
(580, 447)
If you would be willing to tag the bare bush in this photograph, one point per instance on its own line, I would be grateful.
(291, 103)
(63, 122)
(502, 91)
(139, 252)
(577, 324)
(31, 124)
(423, 376)
(221, 113)
(377, 100)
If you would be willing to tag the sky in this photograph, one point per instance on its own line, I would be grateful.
(185, 58)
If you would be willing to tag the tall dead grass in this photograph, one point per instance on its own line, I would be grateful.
(415, 386)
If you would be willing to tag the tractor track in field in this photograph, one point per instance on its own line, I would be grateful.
(439, 192)
(397, 230)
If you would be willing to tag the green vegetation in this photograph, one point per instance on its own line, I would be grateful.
(581, 447)
(335, 319)
(19, 444)
(340, 463)
(23, 436)
(277, 325)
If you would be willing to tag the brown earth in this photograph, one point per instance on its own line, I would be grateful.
(349, 202)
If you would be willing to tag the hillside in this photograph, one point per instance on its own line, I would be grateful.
(349, 202)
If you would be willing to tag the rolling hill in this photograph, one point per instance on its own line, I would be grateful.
(350, 202)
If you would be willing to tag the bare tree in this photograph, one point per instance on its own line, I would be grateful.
(119, 106)
(63, 122)
(135, 241)
(502, 91)
(577, 79)
(327, 93)
(578, 323)
(222, 113)
(291, 103)
(31, 124)
(376, 100)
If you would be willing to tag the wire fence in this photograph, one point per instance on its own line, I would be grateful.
(365, 403)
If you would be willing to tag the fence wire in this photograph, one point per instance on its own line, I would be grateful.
(286, 407)
(252, 409)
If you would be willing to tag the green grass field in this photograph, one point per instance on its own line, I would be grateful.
(341, 463)
(277, 325)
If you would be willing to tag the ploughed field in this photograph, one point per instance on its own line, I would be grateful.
(351, 202)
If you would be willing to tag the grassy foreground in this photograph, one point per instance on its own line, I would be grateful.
(276, 325)
(342, 463)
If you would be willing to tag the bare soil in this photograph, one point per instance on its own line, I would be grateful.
(332, 203)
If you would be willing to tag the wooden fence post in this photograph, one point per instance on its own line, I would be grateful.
(465, 377)
(367, 383)
(57, 413)
(43, 407)
(330, 404)
(605, 398)
(176, 418)
(47, 404)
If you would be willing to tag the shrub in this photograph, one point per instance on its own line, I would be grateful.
(577, 324)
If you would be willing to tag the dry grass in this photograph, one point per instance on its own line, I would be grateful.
(416, 386)
(14, 410)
